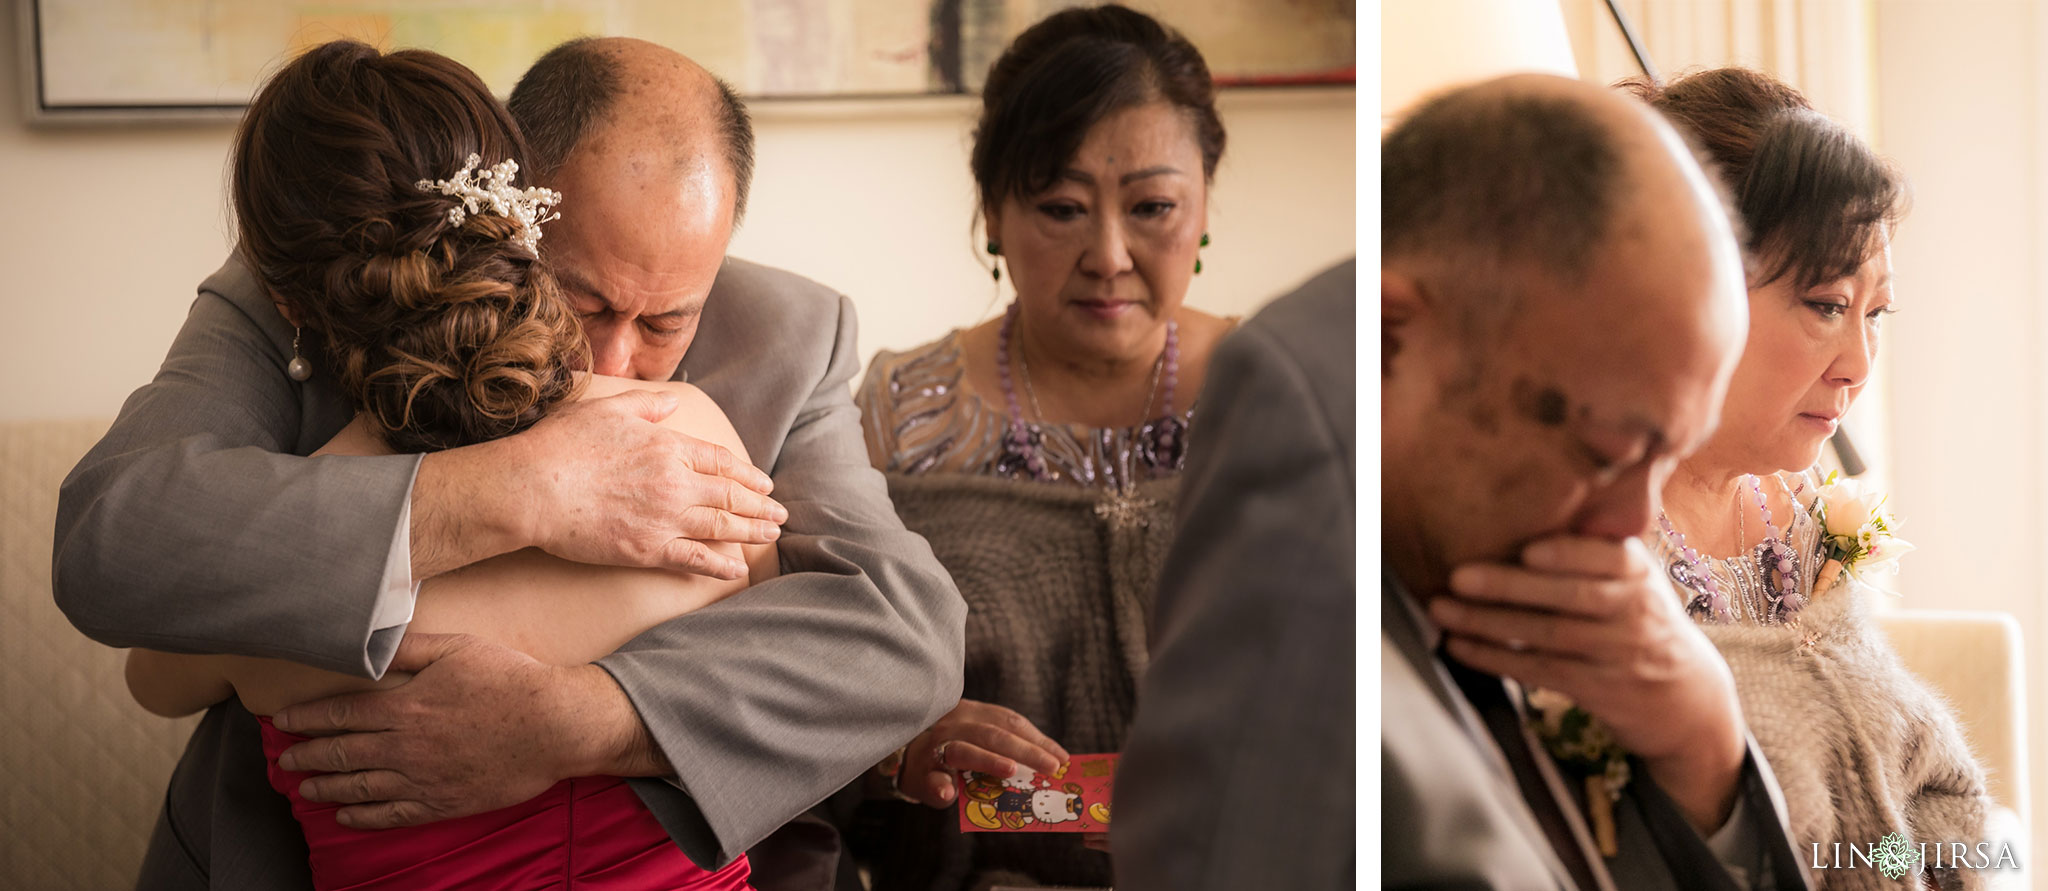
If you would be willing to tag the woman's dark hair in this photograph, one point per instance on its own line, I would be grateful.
(1811, 194)
(445, 335)
(1066, 73)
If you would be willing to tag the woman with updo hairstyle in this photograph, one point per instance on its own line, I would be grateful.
(445, 334)
(1860, 746)
(1039, 452)
(375, 196)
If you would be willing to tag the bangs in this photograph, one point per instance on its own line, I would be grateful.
(1817, 201)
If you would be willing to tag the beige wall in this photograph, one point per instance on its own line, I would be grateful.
(1960, 109)
(105, 231)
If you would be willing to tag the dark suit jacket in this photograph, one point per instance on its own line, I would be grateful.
(1452, 815)
(1238, 772)
(193, 526)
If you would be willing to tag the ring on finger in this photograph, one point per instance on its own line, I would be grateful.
(939, 753)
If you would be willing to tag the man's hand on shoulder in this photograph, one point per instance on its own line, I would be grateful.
(598, 481)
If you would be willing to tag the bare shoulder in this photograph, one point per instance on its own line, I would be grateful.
(1198, 328)
(1200, 332)
(696, 414)
(691, 397)
(358, 438)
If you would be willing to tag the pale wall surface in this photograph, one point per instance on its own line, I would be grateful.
(106, 231)
(1960, 109)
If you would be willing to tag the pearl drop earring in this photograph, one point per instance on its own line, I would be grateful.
(298, 369)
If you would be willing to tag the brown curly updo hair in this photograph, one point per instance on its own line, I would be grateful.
(444, 335)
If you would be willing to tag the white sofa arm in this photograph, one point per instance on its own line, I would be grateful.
(1975, 659)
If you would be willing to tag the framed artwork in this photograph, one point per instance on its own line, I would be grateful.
(142, 59)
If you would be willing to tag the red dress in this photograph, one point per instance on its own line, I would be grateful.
(584, 834)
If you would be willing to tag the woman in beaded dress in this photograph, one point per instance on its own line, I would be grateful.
(1038, 452)
(1860, 746)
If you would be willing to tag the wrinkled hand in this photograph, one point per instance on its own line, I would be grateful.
(978, 736)
(1594, 619)
(480, 726)
(607, 484)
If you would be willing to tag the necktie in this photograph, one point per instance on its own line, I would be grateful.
(1542, 787)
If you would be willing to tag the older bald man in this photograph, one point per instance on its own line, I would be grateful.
(739, 716)
(1562, 304)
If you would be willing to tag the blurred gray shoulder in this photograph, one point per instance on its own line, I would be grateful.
(1313, 330)
(1316, 321)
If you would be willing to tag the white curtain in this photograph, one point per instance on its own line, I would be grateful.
(1822, 47)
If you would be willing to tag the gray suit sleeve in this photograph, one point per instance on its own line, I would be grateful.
(1239, 771)
(192, 526)
(770, 701)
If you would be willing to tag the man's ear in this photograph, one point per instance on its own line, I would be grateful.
(1402, 306)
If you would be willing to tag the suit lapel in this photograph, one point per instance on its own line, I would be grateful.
(1404, 626)
(1402, 622)
(1554, 780)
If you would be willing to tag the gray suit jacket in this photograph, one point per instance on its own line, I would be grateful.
(1453, 815)
(193, 526)
(1239, 769)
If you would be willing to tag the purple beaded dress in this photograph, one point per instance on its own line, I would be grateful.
(920, 419)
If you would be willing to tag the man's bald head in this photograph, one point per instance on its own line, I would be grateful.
(1530, 174)
(652, 156)
(638, 93)
(1561, 306)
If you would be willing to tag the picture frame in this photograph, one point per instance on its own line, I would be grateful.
(133, 61)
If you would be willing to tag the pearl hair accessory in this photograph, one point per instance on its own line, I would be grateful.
(490, 191)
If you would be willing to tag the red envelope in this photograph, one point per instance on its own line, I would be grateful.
(1074, 800)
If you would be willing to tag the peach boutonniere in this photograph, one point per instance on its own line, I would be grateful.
(1857, 533)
